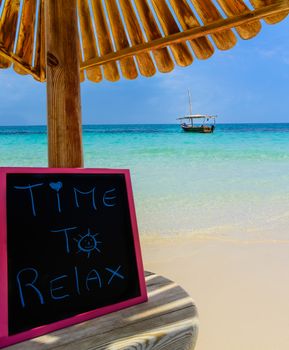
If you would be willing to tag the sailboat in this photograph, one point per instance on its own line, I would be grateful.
(206, 123)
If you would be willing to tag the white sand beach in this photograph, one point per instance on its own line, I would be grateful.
(241, 288)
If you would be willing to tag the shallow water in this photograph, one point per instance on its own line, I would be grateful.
(230, 184)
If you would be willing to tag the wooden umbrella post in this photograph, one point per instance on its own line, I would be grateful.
(63, 84)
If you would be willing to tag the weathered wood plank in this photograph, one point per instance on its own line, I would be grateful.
(221, 25)
(145, 63)
(180, 51)
(104, 40)
(10, 57)
(8, 26)
(271, 19)
(246, 22)
(88, 40)
(162, 57)
(202, 47)
(237, 7)
(63, 85)
(225, 39)
(168, 321)
(127, 64)
(81, 72)
(25, 41)
(39, 61)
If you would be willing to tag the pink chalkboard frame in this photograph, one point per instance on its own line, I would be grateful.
(5, 339)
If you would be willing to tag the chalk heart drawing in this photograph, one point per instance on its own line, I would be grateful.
(56, 186)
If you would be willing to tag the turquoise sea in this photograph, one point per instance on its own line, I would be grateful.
(233, 184)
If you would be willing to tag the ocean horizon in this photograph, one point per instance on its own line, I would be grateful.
(232, 184)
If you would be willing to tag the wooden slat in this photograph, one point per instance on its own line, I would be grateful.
(88, 39)
(272, 19)
(167, 321)
(25, 41)
(10, 57)
(39, 61)
(145, 63)
(104, 40)
(236, 10)
(180, 51)
(224, 40)
(193, 33)
(202, 47)
(8, 27)
(81, 76)
(81, 72)
(162, 57)
(127, 65)
(237, 7)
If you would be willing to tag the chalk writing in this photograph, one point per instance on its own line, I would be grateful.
(60, 287)
(29, 284)
(76, 280)
(53, 289)
(29, 187)
(93, 275)
(56, 186)
(107, 199)
(76, 191)
(65, 231)
(114, 273)
(71, 247)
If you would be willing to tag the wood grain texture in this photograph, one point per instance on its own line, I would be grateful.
(10, 57)
(202, 47)
(180, 51)
(145, 63)
(111, 72)
(127, 65)
(88, 39)
(162, 57)
(272, 19)
(63, 85)
(208, 12)
(39, 61)
(8, 26)
(131, 31)
(237, 7)
(81, 72)
(193, 33)
(168, 321)
(25, 41)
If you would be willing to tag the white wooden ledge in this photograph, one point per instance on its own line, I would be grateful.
(167, 321)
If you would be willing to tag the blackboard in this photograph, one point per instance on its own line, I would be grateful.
(69, 248)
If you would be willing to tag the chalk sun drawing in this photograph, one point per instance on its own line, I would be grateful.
(88, 243)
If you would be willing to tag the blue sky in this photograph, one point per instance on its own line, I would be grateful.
(249, 83)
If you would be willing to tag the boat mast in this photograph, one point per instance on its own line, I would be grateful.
(190, 101)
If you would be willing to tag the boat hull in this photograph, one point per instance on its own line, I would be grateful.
(199, 129)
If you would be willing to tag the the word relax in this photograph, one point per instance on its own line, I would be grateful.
(29, 285)
(108, 197)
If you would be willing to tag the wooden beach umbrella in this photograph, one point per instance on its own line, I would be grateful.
(64, 42)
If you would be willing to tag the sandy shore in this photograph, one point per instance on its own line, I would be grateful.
(241, 288)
